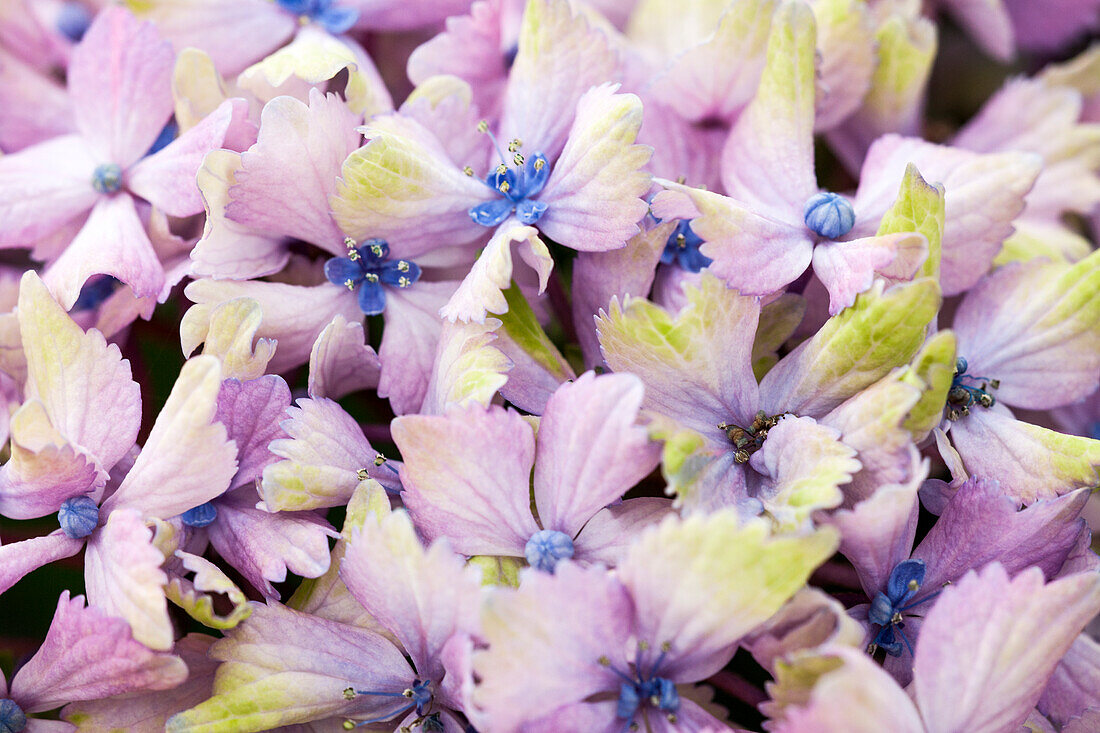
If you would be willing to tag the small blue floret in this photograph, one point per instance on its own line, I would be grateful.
(326, 13)
(829, 215)
(73, 20)
(887, 608)
(546, 547)
(107, 178)
(201, 516)
(516, 187)
(78, 516)
(682, 247)
(12, 719)
(366, 270)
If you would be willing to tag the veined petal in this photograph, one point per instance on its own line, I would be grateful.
(123, 576)
(848, 268)
(612, 530)
(195, 595)
(341, 362)
(589, 450)
(481, 292)
(852, 350)
(228, 335)
(251, 412)
(468, 367)
(1036, 328)
(1074, 686)
(768, 160)
(402, 186)
(166, 178)
(696, 367)
(460, 485)
(989, 644)
(989, 23)
(187, 459)
(19, 558)
(112, 242)
(559, 59)
(1031, 462)
(120, 81)
(295, 161)
(43, 187)
(744, 573)
(846, 47)
(546, 640)
(754, 254)
(284, 667)
(323, 456)
(88, 655)
(83, 382)
(594, 193)
(423, 595)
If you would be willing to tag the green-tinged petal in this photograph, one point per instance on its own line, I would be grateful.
(807, 464)
(327, 597)
(931, 371)
(523, 328)
(196, 596)
(468, 367)
(700, 584)
(809, 619)
(845, 42)
(228, 331)
(695, 365)
(312, 58)
(919, 207)
(497, 570)
(283, 667)
(197, 86)
(1036, 238)
(853, 350)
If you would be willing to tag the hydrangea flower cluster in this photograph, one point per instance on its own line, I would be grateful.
(786, 418)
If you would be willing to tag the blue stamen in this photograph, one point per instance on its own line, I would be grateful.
(829, 215)
(639, 690)
(367, 270)
(682, 247)
(887, 608)
(201, 516)
(516, 186)
(419, 696)
(12, 718)
(963, 394)
(107, 178)
(546, 547)
(78, 516)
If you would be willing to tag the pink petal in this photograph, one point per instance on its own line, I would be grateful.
(408, 348)
(112, 242)
(88, 655)
(43, 187)
(295, 161)
(988, 646)
(590, 451)
(34, 107)
(19, 558)
(123, 577)
(120, 82)
(848, 268)
(167, 178)
(341, 362)
(251, 412)
(612, 530)
(460, 485)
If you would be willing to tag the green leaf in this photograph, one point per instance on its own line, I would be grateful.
(523, 328)
(919, 208)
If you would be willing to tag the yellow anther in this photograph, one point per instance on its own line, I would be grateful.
(349, 725)
(483, 126)
(403, 282)
(666, 647)
(407, 692)
(349, 693)
(518, 159)
(502, 169)
(349, 242)
(362, 475)
(604, 661)
(914, 585)
(540, 164)
(643, 645)
(681, 180)
(371, 277)
(353, 255)
(376, 250)
(504, 187)
(402, 266)
(379, 459)
(468, 170)
(514, 144)
(349, 284)
(681, 241)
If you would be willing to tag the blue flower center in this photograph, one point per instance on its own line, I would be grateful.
(968, 390)
(78, 516)
(107, 178)
(366, 269)
(419, 696)
(682, 248)
(515, 185)
(546, 547)
(887, 609)
(644, 688)
(201, 516)
(12, 719)
(326, 13)
(73, 20)
(829, 215)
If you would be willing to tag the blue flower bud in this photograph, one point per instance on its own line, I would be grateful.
(107, 178)
(73, 20)
(829, 215)
(201, 516)
(78, 516)
(546, 547)
(12, 719)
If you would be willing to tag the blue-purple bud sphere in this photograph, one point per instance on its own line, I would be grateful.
(12, 719)
(201, 516)
(546, 547)
(78, 516)
(829, 215)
